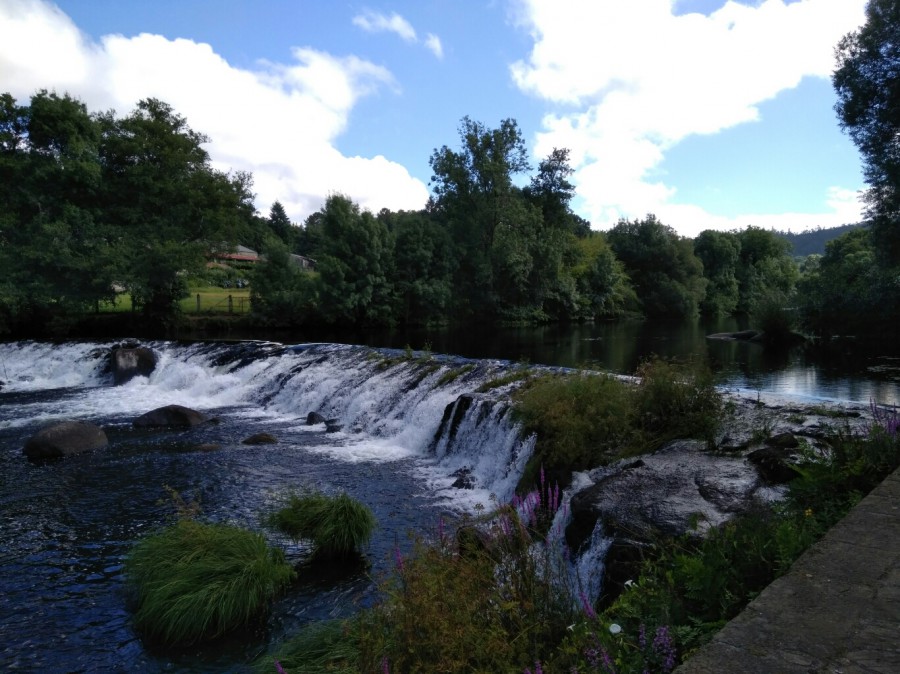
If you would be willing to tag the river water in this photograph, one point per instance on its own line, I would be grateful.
(66, 527)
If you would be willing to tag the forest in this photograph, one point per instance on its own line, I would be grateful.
(95, 207)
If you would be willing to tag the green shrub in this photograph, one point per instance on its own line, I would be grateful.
(676, 401)
(196, 581)
(337, 526)
(581, 420)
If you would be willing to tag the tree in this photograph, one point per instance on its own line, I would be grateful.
(281, 293)
(353, 264)
(719, 252)
(867, 82)
(667, 276)
(765, 272)
(473, 197)
(170, 205)
(280, 224)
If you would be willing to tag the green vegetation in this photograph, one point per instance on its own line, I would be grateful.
(497, 597)
(587, 419)
(196, 581)
(455, 373)
(514, 375)
(337, 526)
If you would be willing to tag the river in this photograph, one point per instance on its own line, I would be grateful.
(66, 527)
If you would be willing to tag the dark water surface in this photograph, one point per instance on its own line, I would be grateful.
(840, 372)
(66, 527)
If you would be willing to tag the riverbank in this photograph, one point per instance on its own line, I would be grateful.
(834, 611)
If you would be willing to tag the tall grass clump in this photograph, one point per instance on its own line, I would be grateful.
(337, 526)
(196, 581)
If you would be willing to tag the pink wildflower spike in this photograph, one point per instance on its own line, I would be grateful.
(384, 665)
(279, 668)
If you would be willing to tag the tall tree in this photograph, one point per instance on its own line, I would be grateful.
(867, 82)
(171, 206)
(667, 276)
(720, 253)
(280, 224)
(473, 197)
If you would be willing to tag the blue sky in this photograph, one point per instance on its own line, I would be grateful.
(710, 114)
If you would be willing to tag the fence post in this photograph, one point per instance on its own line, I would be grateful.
(198, 303)
(230, 305)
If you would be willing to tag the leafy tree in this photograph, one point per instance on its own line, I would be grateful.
(766, 272)
(867, 82)
(473, 194)
(667, 276)
(422, 266)
(281, 293)
(845, 291)
(56, 251)
(719, 252)
(604, 288)
(170, 205)
(353, 266)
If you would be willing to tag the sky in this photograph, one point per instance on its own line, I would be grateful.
(708, 114)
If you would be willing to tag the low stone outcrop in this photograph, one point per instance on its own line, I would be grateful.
(65, 438)
(129, 362)
(172, 416)
(314, 418)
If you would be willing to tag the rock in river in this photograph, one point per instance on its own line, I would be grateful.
(176, 416)
(63, 439)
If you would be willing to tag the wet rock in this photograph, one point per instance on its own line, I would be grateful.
(173, 416)
(464, 479)
(207, 447)
(775, 464)
(260, 439)
(783, 441)
(673, 492)
(333, 425)
(314, 418)
(64, 439)
(130, 362)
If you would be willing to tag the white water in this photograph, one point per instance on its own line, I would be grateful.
(388, 410)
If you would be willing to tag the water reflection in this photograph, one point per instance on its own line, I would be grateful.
(838, 373)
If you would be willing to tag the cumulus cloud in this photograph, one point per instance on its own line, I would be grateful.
(280, 121)
(375, 22)
(629, 80)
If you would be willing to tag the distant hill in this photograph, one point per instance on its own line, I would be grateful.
(814, 240)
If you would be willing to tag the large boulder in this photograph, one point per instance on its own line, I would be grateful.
(128, 363)
(174, 416)
(64, 439)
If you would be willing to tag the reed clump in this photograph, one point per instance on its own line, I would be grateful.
(337, 526)
(195, 581)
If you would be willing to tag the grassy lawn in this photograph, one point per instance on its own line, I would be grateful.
(213, 300)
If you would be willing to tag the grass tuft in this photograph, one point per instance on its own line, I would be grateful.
(337, 526)
(196, 581)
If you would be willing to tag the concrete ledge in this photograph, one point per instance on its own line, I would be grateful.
(837, 610)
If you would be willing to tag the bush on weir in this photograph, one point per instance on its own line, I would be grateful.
(338, 526)
(196, 581)
(585, 419)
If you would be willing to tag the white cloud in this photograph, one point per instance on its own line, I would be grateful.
(433, 43)
(279, 122)
(373, 22)
(629, 80)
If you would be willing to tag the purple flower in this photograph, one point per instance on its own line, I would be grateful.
(587, 606)
(664, 648)
(398, 558)
(384, 665)
(279, 668)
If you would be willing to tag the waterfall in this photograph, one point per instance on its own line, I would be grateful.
(388, 404)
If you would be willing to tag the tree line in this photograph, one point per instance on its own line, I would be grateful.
(92, 204)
